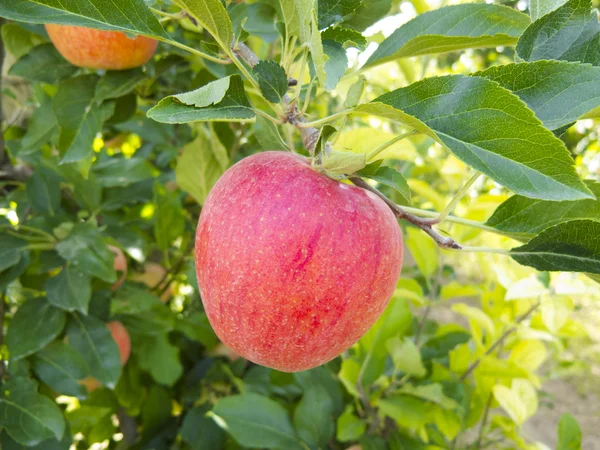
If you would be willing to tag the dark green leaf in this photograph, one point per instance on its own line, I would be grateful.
(572, 246)
(132, 16)
(349, 426)
(43, 126)
(86, 191)
(569, 433)
(28, 417)
(539, 8)
(44, 64)
(343, 35)
(452, 28)
(14, 272)
(570, 33)
(125, 109)
(157, 356)
(60, 367)
(118, 83)
(336, 64)
(394, 179)
(122, 172)
(35, 324)
(87, 251)
(527, 216)
(8, 443)
(272, 80)
(94, 342)
(267, 135)
(197, 327)
(257, 421)
(223, 99)
(11, 250)
(200, 431)
(170, 218)
(70, 290)
(334, 11)
(369, 12)
(557, 92)
(488, 128)
(156, 410)
(202, 163)
(212, 15)
(18, 40)
(43, 191)
(438, 347)
(130, 391)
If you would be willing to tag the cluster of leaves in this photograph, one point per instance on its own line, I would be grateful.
(172, 128)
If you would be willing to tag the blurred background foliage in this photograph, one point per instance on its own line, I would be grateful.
(410, 383)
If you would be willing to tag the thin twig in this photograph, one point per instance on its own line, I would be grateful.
(2, 147)
(499, 341)
(128, 427)
(486, 413)
(2, 310)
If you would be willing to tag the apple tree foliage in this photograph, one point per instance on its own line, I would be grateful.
(476, 98)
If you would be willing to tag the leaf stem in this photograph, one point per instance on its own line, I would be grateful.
(267, 116)
(324, 120)
(197, 52)
(457, 198)
(40, 247)
(389, 143)
(498, 251)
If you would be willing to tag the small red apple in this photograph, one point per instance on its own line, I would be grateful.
(293, 267)
(120, 265)
(98, 49)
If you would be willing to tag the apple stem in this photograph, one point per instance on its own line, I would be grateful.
(424, 224)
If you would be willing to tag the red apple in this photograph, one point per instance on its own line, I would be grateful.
(98, 49)
(120, 265)
(293, 267)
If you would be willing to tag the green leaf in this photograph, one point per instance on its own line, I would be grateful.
(223, 99)
(394, 179)
(369, 12)
(87, 251)
(43, 126)
(203, 161)
(344, 163)
(157, 409)
(131, 17)
(336, 64)
(11, 250)
(43, 191)
(129, 391)
(272, 80)
(35, 324)
(118, 83)
(70, 290)
(334, 11)
(60, 367)
(211, 15)
(343, 35)
(355, 92)
(430, 392)
(28, 417)
(457, 27)
(558, 92)
(94, 342)
(9, 443)
(527, 217)
(407, 411)
(424, 251)
(121, 172)
(43, 63)
(256, 421)
(200, 431)
(170, 218)
(570, 33)
(80, 118)
(349, 426)
(406, 356)
(539, 8)
(197, 327)
(160, 358)
(569, 433)
(518, 400)
(489, 128)
(572, 246)
(18, 40)
(267, 135)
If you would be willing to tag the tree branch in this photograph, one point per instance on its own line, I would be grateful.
(2, 147)
(499, 341)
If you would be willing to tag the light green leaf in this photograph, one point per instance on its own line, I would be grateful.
(569, 433)
(572, 246)
(430, 392)
(423, 250)
(558, 92)
(70, 290)
(457, 27)
(406, 356)
(345, 35)
(28, 417)
(336, 64)
(200, 431)
(570, 33)
(334, 11)
(539, 8)
(407, 411)
(35, 324)
(256, 421)
(18, 40)
(223, 99)
(94, 342)
(527, 217)
(211, 15)
(132, 17)
(267, 135)
(349, 376)
(556, 310)
(60, 367)
(394, 179)
(118, 83)
(344, 163)
(520, 401)
(476, 316)
(160, 358)
(200, 166)
(488, 128)
(355, 92)
(170, 217)
(349, 426)
(272, 80)
(43, 63)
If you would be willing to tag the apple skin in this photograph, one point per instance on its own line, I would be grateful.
(98, 49)
(293, 267)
